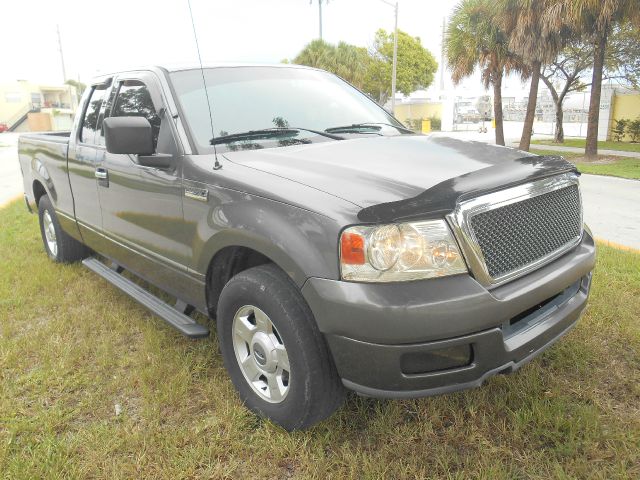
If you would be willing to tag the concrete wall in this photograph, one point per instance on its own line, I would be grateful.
(39, 122)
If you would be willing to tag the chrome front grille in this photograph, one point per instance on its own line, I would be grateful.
(511, 232)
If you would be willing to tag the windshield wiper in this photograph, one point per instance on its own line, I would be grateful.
(358, 127)
(268, 133)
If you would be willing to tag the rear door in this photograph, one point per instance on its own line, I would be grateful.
(142, 206)
(83, 165)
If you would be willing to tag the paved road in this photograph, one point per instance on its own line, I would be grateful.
(10, 176)
(611, 205)
(612, 208)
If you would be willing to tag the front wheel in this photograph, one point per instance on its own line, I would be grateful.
(59, 245)
(276, 357)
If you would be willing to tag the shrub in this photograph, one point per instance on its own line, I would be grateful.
(415, 124)
(633, 129)
(619, 129)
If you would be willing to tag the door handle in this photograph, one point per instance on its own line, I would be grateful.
(101, 173)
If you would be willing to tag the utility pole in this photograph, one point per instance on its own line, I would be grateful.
(395, 57)
(442, 59)
(64, 71)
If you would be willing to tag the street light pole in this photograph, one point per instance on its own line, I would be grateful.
(320, 15)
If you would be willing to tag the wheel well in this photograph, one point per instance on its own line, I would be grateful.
(38, 191)
(227, 263)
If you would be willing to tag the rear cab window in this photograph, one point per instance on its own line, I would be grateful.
(90, 118)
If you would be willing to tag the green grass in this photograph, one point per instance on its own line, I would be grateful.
(580, 143)
(611, 166)
(72, 347)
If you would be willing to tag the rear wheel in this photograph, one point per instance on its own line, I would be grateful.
(60, 246)
(276, 357)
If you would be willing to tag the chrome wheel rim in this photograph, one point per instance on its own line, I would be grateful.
(50, 233)
(261, 354)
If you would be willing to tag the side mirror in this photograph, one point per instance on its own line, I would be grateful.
(128, 135)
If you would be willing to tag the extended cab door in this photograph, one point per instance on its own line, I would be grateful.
(83, 165)
(142, 206)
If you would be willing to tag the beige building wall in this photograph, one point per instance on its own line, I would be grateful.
(417, 111)
(626, 105)
(17, 99)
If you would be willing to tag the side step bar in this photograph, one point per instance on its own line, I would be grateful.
(183, 323)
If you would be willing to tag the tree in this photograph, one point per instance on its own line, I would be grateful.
(535, 44)
(594, 19)
(568, 67)
(416, 65)
(317, 54)
(371, 71)
(79, 86)
(565, 74)
(475, 39)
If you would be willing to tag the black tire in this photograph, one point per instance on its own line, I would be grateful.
(314, 389)
(68, 248)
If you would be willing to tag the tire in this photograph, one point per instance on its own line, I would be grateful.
(307, 388)
(60, 246)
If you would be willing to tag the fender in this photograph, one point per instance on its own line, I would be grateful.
(302, 243)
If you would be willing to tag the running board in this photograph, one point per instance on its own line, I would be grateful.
(183, 323)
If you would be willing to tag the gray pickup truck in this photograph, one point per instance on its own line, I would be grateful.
(334, 248)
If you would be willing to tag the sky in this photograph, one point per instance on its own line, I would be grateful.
(101, 37)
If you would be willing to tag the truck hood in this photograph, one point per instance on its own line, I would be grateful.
(402, 176)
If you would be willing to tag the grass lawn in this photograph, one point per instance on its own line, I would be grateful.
(580, 142)
(73, 349)
(605, 165)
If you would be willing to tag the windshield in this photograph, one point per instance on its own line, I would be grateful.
(248, 99)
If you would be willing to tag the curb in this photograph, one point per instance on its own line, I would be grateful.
(10, 200)
(619, 246)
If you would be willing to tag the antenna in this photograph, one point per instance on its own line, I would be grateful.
(216, 165)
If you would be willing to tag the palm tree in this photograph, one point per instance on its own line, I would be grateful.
(317, 54)
(535, 44)
(594, 19)
(475, 39)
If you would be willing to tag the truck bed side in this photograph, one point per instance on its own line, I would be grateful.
(43, 161)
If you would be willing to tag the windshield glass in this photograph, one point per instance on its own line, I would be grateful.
(246, 99)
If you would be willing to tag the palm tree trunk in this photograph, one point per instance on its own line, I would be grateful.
(497, 107)
(591, 150)
(527, 129)
(559, 133)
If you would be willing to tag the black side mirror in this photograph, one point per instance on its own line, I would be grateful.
(128, 135)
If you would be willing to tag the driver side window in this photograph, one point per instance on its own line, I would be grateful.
(134, 100)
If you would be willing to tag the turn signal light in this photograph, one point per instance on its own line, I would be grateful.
(352, 249)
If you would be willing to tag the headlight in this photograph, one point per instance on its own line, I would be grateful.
(399, 252)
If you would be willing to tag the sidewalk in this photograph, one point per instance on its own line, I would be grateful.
(559, 148)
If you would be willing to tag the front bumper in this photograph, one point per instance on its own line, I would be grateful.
(383, 337)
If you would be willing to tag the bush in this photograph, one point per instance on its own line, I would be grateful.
(436, 124)
(619, 129)
(415, 124)
(633, 129)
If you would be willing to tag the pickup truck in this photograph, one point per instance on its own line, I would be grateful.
(333, 248)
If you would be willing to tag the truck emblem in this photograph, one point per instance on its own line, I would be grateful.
(201, 194)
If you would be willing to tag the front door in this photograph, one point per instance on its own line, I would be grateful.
(142, 206)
